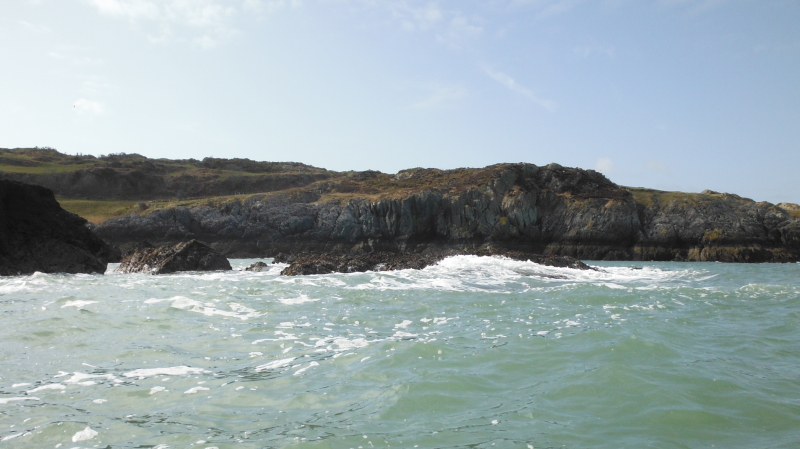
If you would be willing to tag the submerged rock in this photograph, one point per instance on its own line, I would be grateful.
(36, 234)
(186, 256)
(385, 261)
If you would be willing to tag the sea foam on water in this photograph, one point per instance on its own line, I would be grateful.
(471, 352)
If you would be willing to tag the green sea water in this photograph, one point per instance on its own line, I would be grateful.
(475, 352)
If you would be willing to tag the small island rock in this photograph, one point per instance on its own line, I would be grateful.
(187, 256)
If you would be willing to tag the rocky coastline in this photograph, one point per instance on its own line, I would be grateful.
(249, 209)
(550, 210)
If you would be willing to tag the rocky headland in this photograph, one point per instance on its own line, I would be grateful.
(548, 210)
(36, 234)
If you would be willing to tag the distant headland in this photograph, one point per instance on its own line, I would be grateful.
(245, 208)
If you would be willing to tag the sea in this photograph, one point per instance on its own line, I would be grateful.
(475, 352)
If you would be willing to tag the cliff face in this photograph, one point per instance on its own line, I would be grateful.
(550, 210)
(36, 234)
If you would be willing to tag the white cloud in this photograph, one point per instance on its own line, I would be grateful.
(510, 83)
(604, 165)
(84, 106)
(441, 97)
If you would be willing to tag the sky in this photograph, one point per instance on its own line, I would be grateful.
(668, 94)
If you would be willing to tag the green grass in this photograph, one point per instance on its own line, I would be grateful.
(97, 211)
(650, 197)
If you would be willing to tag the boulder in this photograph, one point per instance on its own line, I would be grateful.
(258, 266)
(187, 256)
(36, 234)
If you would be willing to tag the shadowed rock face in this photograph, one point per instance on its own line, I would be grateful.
(187, 256)
(36, 234)
(522, 207)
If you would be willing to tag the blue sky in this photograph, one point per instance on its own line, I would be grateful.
(669, 94)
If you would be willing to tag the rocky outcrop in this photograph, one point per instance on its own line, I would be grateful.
(307, 264)
(551, 210)
(36, 234)
(186, 256)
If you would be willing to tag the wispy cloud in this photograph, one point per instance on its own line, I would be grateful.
(694, 7)
(84, 106)
(72, 54)
(210, 20)
(544, 8)
(34, 27)
(414, 18)
(586, 51)
(604, 165)
(269, 6)
(510, 83)
(459, 30)
(656, 165)
(442, 96)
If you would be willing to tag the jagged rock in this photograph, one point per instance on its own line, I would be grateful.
(258, 266)
(36, 234)
(383, 261)
(186, 256)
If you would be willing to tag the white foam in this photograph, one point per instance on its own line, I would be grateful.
(276, 364)
(78, 303)
(195, 390)
(208, 309)
(400, 334)
(9, 400)
(172, 371)
(299, 300)
(82, 379)
(83, 435)
(47, 387)
(157, 389)
(502, 275)
(403, 325)
(302, 370)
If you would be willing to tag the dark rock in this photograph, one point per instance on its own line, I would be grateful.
(258, 266)
(187, 256)
(36, 234)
